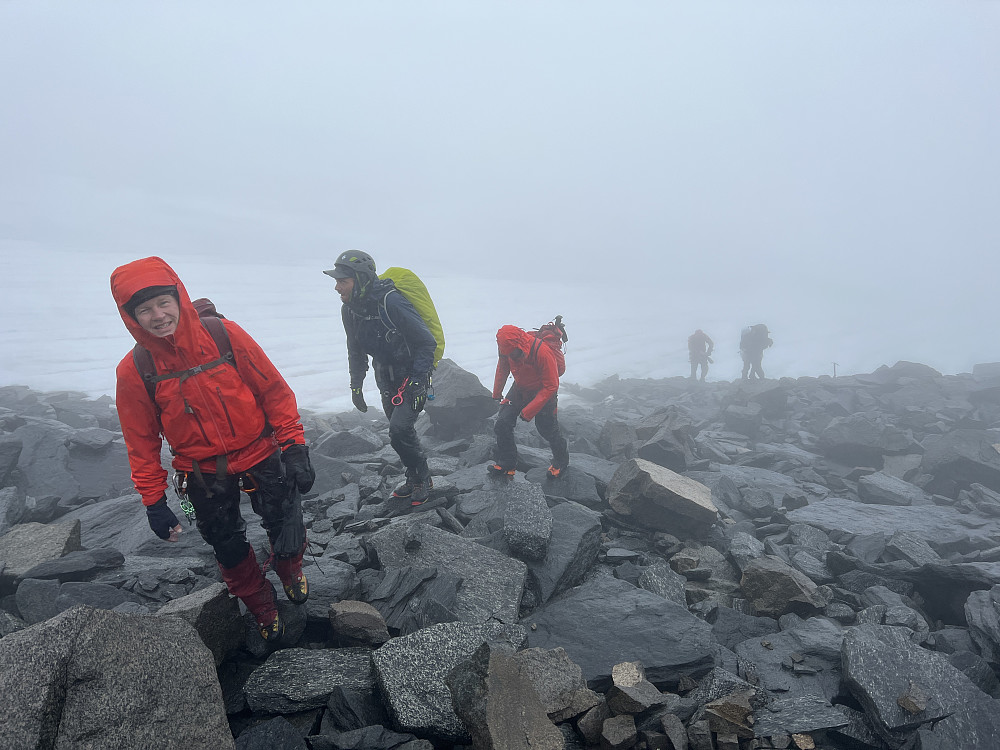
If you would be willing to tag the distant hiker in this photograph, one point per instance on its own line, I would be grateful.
(534, 395)
(753, 341)
(232, 423)
(386, 327)
(700, 348)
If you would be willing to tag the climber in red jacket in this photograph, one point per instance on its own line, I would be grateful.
(231, 422)
(534, 395)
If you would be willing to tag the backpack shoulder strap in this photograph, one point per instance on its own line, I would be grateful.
(383, 310)
(533, 350)
(220, 336)
(143, 358)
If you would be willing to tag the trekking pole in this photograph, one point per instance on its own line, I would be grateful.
(834, 369)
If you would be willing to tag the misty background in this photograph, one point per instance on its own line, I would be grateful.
(643, 169)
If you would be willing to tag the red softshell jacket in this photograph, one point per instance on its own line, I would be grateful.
(218, 412)
(535, 371)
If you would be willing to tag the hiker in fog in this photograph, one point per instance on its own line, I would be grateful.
(534, 395)
(231, 422)
(700, 348)
(388, 328)
(753, 341)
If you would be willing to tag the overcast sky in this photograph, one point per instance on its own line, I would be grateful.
(831, 155)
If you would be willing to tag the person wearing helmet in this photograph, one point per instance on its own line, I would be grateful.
(700, 348)
(402, 357)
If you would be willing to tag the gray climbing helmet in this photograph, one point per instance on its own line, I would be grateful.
(357, 265)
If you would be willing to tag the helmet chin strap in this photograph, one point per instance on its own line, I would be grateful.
(360, 290)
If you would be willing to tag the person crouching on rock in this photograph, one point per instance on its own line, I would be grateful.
(231, 422)
(534, 395)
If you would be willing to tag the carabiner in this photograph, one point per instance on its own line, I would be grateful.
(398, 398)
(248, 483)
(180, 483)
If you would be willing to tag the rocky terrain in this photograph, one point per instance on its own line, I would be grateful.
(810, 563)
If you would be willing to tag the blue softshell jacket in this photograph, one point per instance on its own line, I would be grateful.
(402, 343)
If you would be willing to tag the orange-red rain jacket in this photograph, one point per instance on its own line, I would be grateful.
(535, 371)
(218, 412)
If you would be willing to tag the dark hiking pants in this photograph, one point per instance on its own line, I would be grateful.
(546, 423)
(219, 520)
(402, 433)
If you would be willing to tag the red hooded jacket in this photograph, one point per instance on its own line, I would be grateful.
(221, 411)
(535, 371)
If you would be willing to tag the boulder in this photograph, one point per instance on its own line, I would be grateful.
(606, 621)
(655, 497)
(461, 404)
(88, 673)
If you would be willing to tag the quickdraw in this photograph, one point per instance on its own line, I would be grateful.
(180, 487)
(398, 398)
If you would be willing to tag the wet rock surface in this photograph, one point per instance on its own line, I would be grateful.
(795, 563)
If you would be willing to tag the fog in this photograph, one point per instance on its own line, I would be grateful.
(643, 169)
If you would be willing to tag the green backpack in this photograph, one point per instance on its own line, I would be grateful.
(412, 288)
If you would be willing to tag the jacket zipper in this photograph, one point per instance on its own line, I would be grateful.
(222, 402)
(257, 370)
(189, 410)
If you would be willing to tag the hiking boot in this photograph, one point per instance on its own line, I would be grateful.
(496, 470)
(270, 625)
(406, 488)
(246, 580)
(421, 491)
(556, 473)
(293, 580)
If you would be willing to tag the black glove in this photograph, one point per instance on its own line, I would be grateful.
(416, 394)
(359, 400)
(297, 467)
(161, 519)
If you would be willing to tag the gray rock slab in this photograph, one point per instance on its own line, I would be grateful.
(492, 583)
(214, 614)
(30, 544)
(499, 705)
(803, 660)
(81, 565)
(89, 673)
(797, 715)
(411, 672)
(883, 489)
(558, 681)
(527, 521)
(573, 547)
(659, 498)
(982, 612)
(660, 579)
(881, 665)
(297, 679)
(936, 525)
(776, 588)
(960, 458)
(573, 484)
(606, 621)
(330, 582)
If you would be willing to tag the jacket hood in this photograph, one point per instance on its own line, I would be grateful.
(128, 279)
(512, 337)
